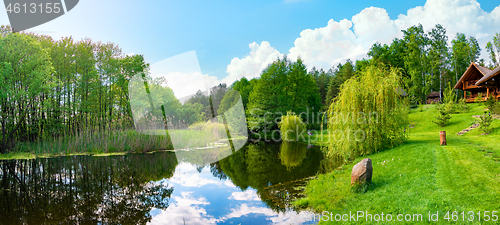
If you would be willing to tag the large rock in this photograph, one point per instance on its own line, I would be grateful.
(362, 172)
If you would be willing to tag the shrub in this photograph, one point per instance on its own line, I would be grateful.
(370, 114)
(479, 98)
(449, 95)
(485, 122)
(462, 106)
(496, 109)
(444, 115)
(450, 103)
(492, 105)
(450, 107)
(291, 127)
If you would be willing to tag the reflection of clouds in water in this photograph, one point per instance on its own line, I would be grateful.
(187, 200)
(248, 195)
(186, 175)
(185, 210)
(188, 210)
(244, 209)
(290, 217)
(230, 184)
(293, 218)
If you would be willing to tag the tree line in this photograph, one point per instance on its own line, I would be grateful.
(52, 88)
(425, 60)
(428, 62)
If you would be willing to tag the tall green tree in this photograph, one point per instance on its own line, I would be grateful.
(415, 60)
(283, 86)
(244, 87)
(55, 88)
(25, 78)
(493, 48)
(342, 73)
(438, 57)
(322, 79)
(463, 51)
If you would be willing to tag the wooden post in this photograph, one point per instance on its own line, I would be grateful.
(487, 93)
(442, 137)
(465, 92)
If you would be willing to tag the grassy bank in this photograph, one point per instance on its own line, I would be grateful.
(420, 175)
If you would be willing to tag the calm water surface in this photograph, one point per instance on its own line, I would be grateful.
(255, 185)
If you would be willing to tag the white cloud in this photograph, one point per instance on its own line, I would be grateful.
(252, 65)
(324, 46)
(457, 16)
(338, 41)
(374, 24)
(248, 195)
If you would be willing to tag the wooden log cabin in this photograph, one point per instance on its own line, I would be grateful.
(433, 97)
(478, 80)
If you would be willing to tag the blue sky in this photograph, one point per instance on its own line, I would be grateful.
(220, 31)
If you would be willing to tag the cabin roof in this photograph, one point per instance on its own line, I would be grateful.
(490, 75)
(433, 94)
(474, 71)
(482, 69)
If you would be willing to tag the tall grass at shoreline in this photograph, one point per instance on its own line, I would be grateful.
(97, 142)
(128, 141)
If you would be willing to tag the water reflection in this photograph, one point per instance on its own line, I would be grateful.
(292, 153)
(83, 189)
(201, 198)
(255, 185)
(260, 167)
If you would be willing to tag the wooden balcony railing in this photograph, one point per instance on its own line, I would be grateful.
(470, 84)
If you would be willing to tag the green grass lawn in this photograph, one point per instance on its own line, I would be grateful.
(420, 175)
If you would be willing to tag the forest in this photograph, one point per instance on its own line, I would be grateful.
(53, 90)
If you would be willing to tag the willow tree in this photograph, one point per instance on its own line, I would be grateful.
(292, 127)
(369, 115)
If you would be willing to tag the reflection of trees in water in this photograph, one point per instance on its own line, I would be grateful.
(85, 189)
(292, 153)
(217, 171)
(259, 166)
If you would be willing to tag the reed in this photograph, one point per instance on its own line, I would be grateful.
(97, 142)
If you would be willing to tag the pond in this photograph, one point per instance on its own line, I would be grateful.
(254, 185)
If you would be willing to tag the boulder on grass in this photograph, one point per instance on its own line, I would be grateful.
(362, 172)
